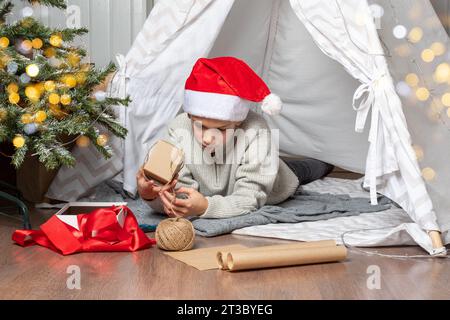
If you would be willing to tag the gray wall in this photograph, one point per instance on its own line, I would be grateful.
(113, 24)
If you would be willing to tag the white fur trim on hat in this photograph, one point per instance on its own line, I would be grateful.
(216, 105)
(272, 104)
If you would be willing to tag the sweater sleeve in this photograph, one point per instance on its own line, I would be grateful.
(254, 180)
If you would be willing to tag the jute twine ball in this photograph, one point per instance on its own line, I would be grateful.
(175, 234)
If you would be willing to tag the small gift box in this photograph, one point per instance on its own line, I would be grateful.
(163, 162)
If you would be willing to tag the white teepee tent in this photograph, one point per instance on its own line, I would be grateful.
(320, 56)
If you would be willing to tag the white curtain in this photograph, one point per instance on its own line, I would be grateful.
(345, 31)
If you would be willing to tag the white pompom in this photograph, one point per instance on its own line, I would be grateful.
(272, 104)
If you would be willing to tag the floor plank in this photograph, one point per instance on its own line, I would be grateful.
(38, 273)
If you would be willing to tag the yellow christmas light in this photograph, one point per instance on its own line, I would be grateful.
(50, 52)
(66, 99)
(18, 141)
(83, 141)
(422, 94)
(49, 85)
(40, 87)
(26, 118)
(32, 70)
(12, 87)
(412, 79)
(80, 77)
(102, 140)
(54, 98)
(56, 40)
(40, 116)
(37, 43)
(4, 42)
(403, 50)
(438, 48)
(442, 73)
(415, 35)
(427, 55)
(14, 98)
(446, 99)
(32, 93)
(428, 173)
(448, 112)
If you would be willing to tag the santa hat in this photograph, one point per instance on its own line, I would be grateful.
(224, 88)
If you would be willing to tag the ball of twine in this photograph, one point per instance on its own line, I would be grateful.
(175, 234)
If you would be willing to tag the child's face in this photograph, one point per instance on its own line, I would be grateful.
(211, 133)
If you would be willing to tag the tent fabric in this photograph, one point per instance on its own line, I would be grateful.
(178, 32)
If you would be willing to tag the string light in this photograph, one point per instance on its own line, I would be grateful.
(412, 79)
(427, 55)
(32, 70)
(428, 173)
(83, 141)
(442, 73)
(419, 152)
(399, 31)
(422, 94)
(438, 48)
(415, 35)
(446, 99)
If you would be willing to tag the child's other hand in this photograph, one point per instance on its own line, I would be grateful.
(148, 189)
(195, 204)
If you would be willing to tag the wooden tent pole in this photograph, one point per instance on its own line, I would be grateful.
(436, 239)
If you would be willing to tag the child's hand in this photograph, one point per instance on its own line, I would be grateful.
(148, 190)
(195, 205)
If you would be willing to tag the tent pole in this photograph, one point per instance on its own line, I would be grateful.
(436, 239)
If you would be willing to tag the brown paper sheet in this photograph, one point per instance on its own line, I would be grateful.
(257, 259)
(205, 258)
(222, 255)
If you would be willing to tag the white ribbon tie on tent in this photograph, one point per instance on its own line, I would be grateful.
(363, 100)
(122, 74)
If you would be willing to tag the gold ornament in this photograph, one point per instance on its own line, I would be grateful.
(37, 43)
(26, 45)
(80, 77)
(26, 118)
(4, 42)
(49, 85)
(66, 99)
(12, 87)
(73, 59)
(3, 114)
(49, 52)
(83, 141)
(32, 93)
(40, 116)
(18, 141)
(32, 70)
(56, 40)
(102, 140)
(54, 98)
(14, 98)
(70, 81)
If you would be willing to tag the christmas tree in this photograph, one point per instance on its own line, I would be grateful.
(46, 92)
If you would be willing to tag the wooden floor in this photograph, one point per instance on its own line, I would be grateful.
(38, 273)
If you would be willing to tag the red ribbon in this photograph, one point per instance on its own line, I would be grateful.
(98, 231)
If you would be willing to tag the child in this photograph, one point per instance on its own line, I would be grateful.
(218, 97)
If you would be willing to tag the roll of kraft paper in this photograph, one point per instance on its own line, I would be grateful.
(221, 256)
(257, 259)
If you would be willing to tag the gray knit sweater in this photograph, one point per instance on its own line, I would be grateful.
(237, 182)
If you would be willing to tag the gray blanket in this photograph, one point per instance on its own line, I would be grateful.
(303, 206)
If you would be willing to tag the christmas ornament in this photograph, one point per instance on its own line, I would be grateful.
(102, 140)
(83, 141)
(24, 78)
(70, 81)
(30, 129)
(18, 141)
(66, 99)
(37, 43)
(32, 93)
(54, 98)
(12, 67)
(12, 87)
(56, 40)
(26, 118)
(40, 116)
(100, 96)
(49, 52)
(32, 70)
(14, 98)
(4, 42)
(49, 86)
